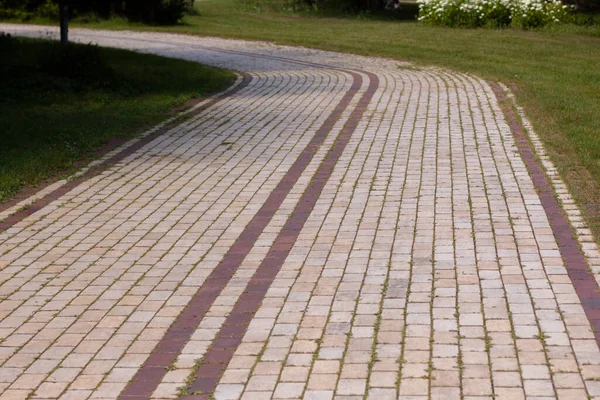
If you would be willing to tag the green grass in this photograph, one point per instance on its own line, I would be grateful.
(59, 108)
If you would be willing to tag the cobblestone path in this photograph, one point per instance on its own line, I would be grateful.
(333, 227)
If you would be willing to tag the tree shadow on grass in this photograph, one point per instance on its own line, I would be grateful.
(58, 104)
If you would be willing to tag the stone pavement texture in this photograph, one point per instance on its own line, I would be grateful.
(334, 227)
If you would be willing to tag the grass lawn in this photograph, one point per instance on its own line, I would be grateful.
(58, 107)
(556, 70)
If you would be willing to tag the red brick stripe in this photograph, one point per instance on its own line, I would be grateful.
(236, 324)
(578, 269)
(66, 188)
(166, 351)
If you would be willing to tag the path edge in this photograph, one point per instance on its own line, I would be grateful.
(546, 181)
(15, 213)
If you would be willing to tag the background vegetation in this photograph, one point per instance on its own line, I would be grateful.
(147, 11)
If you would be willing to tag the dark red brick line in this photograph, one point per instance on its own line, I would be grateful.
(578, 269)
(66, 188)
(166, 351)
(236, 324)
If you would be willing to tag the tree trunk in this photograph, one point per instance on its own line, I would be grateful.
(64, 22)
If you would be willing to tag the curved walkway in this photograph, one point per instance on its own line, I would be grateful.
(334, 227)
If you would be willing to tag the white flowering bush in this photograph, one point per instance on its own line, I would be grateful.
(531, 14)
(492, 13)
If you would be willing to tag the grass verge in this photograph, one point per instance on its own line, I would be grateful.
(60, 106)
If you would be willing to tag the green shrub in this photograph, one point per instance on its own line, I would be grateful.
(171, 12)
(533, 14)
(162, 12)
(49, 10)
(492, 13)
